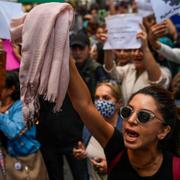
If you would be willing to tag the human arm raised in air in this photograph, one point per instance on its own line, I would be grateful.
(83, 104)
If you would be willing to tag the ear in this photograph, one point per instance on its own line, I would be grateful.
(164, 132)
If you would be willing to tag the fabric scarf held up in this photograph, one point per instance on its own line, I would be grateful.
(44, 68)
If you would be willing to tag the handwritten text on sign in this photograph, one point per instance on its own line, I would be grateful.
(164, 9)
(122, 30)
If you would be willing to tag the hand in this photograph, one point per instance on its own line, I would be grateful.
(79, 152)
(100, 165)
(155, 32)
(143, 37)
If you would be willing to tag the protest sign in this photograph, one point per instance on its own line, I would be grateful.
(144, 7)
(164, 9)
(122, 30)
(8, 10)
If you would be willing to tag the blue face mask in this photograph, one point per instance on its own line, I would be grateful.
(106, 108)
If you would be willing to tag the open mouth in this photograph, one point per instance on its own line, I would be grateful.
(131, 133)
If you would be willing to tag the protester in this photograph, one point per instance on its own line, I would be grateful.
(142, 72)
(80, 49)
(147, 122)
(22, 157)
(64, 128)
(156, 32)
(97, 52)
(107, 102)
(166, 35)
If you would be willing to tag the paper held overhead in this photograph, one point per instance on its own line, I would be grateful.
(8, 10)
(144, 7)
(122, 30)
(164, 9)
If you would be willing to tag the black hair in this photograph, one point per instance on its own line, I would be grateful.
(12, 80)
(167, 107)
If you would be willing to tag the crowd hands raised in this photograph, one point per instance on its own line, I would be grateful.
(135, 69)
(131, 105)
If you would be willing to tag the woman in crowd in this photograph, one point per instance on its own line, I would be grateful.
(148, 121)
(20, 149)
(107, 102)
(142, 72)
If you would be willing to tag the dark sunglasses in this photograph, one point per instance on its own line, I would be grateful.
(143, 116)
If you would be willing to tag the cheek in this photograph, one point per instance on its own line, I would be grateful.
(3, 95)
(149, 133)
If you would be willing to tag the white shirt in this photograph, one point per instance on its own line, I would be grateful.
(129, 84)
(172, 54)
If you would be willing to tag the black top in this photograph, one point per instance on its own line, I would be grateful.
(63, 129)
(123, 169)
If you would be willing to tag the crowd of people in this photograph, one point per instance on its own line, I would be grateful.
(120, 117)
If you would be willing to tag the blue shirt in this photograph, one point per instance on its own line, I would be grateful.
(11, 124)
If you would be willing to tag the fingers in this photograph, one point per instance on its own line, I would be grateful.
(143, 27)
(100, 165)
(79, 152)
(159, 30)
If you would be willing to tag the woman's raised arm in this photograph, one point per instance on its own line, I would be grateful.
(82, 103)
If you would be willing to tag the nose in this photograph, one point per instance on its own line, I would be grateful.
(133, 119)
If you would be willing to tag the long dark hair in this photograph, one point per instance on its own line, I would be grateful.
(12, 79)
(167, 107)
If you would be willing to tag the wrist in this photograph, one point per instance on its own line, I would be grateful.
(146, 50)
(156, 45)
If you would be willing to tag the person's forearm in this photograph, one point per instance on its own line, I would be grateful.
(108, 59)
(152, 67)
(111, 7)
(172, 54)
(77, 89)
(82, 103)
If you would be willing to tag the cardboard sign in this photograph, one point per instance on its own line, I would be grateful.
(122, 30)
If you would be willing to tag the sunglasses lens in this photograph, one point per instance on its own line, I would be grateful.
(126, 112)
(143, 117)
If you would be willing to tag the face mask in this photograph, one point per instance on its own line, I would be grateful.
(106, 108)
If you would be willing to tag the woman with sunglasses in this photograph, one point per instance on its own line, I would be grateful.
(148, 119)
(107, 102)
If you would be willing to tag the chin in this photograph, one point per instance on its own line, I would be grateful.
(131, 144)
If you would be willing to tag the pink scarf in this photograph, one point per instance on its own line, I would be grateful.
(44, 68)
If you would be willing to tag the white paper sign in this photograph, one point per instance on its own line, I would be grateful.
(8, 10)
(164, 9)
(144, 7)
(122, 30)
